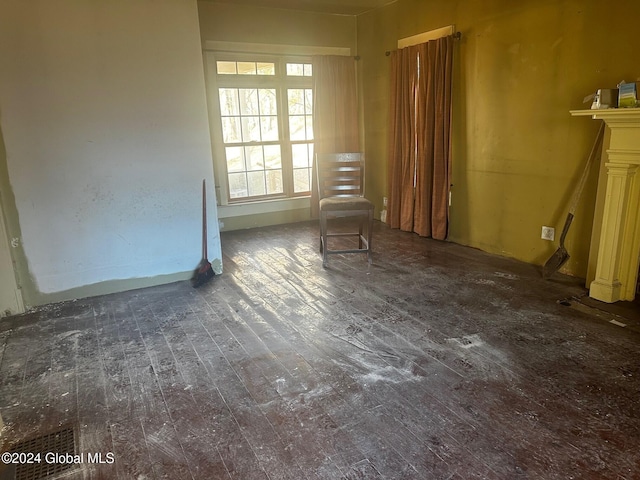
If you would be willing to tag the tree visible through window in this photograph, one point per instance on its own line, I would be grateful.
(267, 129)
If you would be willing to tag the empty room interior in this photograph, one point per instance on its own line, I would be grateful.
(169, 307)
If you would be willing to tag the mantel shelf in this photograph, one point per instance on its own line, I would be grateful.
(609, 114)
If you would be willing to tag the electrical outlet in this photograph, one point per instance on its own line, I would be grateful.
(384, 201)
(548, 233)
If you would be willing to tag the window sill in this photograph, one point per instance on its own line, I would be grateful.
(265, 206)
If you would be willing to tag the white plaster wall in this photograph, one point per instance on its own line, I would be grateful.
(103, 111)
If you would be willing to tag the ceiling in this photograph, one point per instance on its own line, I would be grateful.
(341, 7)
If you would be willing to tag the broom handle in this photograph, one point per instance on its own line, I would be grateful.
(204, 221)
(585, 173)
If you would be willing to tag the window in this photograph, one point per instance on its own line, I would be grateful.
(266, 125)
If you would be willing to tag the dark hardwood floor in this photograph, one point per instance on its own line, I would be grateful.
(436, 362)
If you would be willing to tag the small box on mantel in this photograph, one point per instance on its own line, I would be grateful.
(628, 95)
(605, 98)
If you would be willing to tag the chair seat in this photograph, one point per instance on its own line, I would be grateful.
(335, 204)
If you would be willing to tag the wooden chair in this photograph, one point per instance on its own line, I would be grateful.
(341, 193)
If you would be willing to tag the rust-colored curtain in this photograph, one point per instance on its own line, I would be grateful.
(420, 138)
(335, 110)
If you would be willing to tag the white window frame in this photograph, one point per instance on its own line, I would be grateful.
(281, 83)
(213, 51)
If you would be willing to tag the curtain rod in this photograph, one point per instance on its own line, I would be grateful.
(257, 52)
(356, 57)
(456, 36)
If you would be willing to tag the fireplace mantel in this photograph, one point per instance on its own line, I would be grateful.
(619, 247)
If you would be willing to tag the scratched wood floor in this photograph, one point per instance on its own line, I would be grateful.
(436, 362)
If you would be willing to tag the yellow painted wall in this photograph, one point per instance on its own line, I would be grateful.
(519, 68)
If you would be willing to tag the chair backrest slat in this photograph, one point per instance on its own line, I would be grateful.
(340, 174)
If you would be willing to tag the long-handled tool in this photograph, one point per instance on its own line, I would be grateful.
(203, 271)
(561, 255)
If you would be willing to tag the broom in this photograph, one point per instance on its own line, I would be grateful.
(203, 271)
(561, 255)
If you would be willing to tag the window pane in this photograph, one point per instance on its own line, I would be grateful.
(248, 101)
(246, 68)
(300, 155)
(308, 70)
(226, 68)
(301, 180)
(297, 127)
(274, 182)
(296, 101)
(256, 183)
(238, 185)
(269, 128)
(229, 101)
(250, 129)
(235, 159)
(301, 127)
(295, 69)
(266, 68)
(255, 159)
(268, 103)
(231, 132)
(272, 157)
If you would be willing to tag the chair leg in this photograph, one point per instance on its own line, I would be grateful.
(323, 239)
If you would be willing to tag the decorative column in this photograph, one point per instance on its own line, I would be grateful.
(619, 249)
(608, 285)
